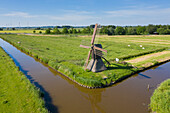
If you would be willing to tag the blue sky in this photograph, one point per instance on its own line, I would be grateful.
(83, 12)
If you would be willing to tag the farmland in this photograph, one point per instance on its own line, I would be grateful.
(22, 31)
(17, 94)
(64, 54)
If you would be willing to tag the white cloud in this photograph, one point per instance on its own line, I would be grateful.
(139, 12)
(72, 15)
(19, 14)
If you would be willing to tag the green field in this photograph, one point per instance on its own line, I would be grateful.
(21, 31)
(30, 30)
(64, 54)
(160, 101)
(17, 94)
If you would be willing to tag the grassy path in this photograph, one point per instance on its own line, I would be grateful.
(150, 59)
(64, 54)
(17, 94)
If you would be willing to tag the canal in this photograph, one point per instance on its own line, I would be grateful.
(64, 96)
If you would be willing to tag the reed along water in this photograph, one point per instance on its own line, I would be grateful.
(64, 96)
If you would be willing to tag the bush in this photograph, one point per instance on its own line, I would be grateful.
(65, 31)
(56, 31)
(47, 31)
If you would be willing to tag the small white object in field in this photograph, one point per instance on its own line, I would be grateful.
(19, 42)
(140, 45)
(128, 45)
(117, 60)
(143, 48)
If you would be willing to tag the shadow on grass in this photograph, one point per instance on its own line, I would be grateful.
(48, 100)
(118, 66)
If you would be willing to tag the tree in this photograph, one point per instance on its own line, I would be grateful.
(68, 27)
(163, 31)
(141, 30)
(74, 31)
(79, 31)
(40, 32)
(84, 31)
(104, 30)
(47, 31)
(112, 26)
(87, 30)
(151, 29)
(38, 28)
(71, 31)
(56, 31)
(131, 31)
(120, 30)
(111, 31)
(168, 26)
(65, 31)
(1, 29)
(13, 28)
(34, 31)
(92, 26)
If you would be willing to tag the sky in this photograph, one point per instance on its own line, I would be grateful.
(20, 13)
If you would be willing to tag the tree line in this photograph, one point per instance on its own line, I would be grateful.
(114, 30)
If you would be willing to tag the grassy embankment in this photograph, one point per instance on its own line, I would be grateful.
(17, 94)
(160, 100)
(64, 54)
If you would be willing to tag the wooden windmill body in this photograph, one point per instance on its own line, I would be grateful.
(96, 64)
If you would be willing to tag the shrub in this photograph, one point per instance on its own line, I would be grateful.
(47, 31)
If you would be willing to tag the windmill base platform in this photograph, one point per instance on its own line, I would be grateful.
(96, 65)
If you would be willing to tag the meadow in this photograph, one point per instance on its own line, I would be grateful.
(22, 31)
(160, 100)
(17, 94)
(64, 54)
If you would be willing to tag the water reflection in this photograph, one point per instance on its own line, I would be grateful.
(94, 96)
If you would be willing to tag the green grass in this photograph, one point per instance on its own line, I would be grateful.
(64, 54)
(22, 31)
(17, 94)
(160, 101)
(31, 31)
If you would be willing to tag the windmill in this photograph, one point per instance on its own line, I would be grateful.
(96, 64)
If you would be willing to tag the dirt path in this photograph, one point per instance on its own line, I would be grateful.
(145, 57)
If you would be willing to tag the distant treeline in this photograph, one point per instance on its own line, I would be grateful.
(114, 30)
(105, 30)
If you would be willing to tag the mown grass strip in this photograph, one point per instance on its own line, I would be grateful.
(160, 100)
(17, 94)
